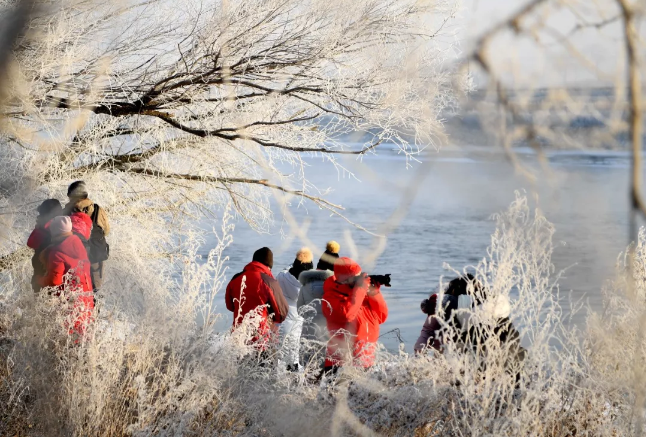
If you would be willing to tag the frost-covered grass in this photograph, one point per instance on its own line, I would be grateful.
(169, 110)
(148, 367)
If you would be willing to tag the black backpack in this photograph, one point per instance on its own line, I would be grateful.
(99, 249)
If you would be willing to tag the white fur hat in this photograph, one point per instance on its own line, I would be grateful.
(304, 255)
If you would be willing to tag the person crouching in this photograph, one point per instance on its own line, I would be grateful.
(354, 309)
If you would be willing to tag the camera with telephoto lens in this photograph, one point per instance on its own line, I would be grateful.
(380, 280)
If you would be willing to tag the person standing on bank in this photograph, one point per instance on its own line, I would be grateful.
(354, 308)
(311, 293)
(292, 326)
(40, 238)
(67, 273)
(256, 287)
(99, 250)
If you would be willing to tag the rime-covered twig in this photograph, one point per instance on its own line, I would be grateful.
(233, 90)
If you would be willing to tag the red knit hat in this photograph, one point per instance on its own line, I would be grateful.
(345, 268)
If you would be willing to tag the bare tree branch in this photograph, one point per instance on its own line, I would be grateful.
(631, 38)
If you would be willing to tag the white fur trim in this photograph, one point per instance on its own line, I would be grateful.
(304, 255)
(314, 275)
(498, 307)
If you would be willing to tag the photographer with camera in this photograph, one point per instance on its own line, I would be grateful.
(431, 334)
(354, 308)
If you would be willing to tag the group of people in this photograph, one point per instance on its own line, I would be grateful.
(465, 315)
(70, 249)
(336, 305)
(342, 308)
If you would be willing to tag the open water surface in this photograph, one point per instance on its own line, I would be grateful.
(585, 195)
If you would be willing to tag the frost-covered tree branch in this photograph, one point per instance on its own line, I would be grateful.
(535, 104)
(211, 91)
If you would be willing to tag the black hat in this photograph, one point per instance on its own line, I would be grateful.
(49, 207)
(327, 261)
(302, 262)
(77, 190)
(329, 257)
(459, 286)
(264, 256)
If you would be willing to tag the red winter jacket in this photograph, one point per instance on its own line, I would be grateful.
(359, 311)
(64, 254)
(38, 240)
(37, 237)
(81, 224)
(260, 290)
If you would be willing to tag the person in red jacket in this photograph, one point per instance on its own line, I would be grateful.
(39, 237)
(255, 291)
(68, 271)
(354, 308)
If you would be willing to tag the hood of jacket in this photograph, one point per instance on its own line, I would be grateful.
(497, 307)
(65, 245)
(81, 224)
(346, 268)
(289, 285)
(309, 276)
(82, 205)
(68, 245)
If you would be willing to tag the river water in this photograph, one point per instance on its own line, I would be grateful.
(585, 195)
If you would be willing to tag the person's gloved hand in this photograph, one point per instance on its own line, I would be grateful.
(360, 280)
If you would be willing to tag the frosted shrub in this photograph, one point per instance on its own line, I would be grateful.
(151, 365)
(474, 391)
(145, 365)
(617, 342)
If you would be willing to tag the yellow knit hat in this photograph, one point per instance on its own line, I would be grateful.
(332, 246)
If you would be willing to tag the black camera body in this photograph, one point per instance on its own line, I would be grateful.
(380, 280)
